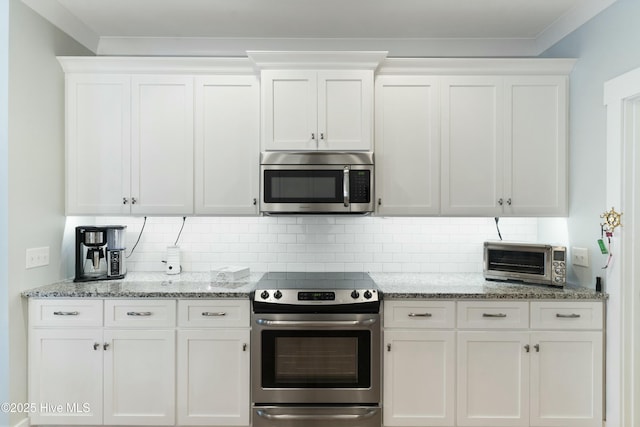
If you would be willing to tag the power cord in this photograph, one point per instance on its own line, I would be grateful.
(139, 236)
(498, 227)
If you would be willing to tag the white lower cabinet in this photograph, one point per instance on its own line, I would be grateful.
(117, 362)
(419, 363)
(213, 363)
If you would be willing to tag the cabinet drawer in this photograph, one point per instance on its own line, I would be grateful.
(419, 314)
(63, 312)
(566, 315)
(142, 313)
(493, 315)
(213, 313)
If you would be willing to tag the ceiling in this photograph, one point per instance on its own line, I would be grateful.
(404, 27)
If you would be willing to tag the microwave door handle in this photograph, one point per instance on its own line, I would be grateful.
(345, 186)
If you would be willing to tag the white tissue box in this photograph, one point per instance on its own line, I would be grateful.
(231, 273)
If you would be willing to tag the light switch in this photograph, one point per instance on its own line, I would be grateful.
(37, 257)
(580, 257)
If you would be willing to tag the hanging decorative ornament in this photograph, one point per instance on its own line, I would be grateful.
(611, 220)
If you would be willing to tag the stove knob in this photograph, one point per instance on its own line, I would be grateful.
(355, 294)
(367, 294)
(277, 295)
(264, 295)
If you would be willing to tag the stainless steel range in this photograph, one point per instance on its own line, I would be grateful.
(316, 350)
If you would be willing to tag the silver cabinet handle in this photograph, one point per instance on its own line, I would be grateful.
(96, 345)
(139, 313)
(213, 314)
(345, 186)
(419, 315)
(105, 346)
(66, 313)
(318, 324)
(494, 315)
(125, 200)
(568, 316)
(368, 413)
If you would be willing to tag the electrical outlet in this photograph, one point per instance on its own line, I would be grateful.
(580, 257)
(37, 257)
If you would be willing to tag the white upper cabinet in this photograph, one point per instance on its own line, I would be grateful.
(504, 146)
(227, 135)
(407, 145)
(162, 145)
(98, 127)
(317, 110)
(129, 144)
(536, 132)
(472, 145)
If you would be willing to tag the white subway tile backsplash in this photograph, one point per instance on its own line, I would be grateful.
(320, 243)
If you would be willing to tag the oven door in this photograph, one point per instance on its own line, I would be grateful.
(526, 263)
(316, 189)
(316, 358)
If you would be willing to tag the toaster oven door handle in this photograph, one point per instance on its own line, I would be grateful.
(319, 417)
(345, 186)
(494, 315)
(316, 323)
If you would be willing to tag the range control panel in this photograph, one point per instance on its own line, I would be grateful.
(316, 297)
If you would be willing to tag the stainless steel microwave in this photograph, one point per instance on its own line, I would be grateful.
(525, 262)
(316, 183)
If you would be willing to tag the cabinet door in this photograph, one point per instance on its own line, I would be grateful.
(536, 145)
(472, 146)
(162, 145)
(345, 110)
(139, 377)
(98, 143)
(419, 372)
(65, 376)
(493, 379)
(227, 145)
(213, 377)
(566, 379)
(290, 110)
(407, 145)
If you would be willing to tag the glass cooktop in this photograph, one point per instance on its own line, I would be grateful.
(316, 280)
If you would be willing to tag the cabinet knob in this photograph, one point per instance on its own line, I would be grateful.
(537, 347)
(509, 201)
(388, 347)
(379, 202)
(244, 347)
(105, 346)
(500, 202)
(96, 345)
(255, 201)
(125, 200)
(133, 201)
(313, 135)
(321, 135)
(527, 348)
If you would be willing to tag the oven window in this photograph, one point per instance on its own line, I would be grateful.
(303, 186)
(517, 261)
(316, 359)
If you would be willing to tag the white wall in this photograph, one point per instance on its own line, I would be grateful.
(4, 136)
(35, 170)
(320, 243)
(606, 47)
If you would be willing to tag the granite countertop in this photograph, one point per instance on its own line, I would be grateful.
(396, 286)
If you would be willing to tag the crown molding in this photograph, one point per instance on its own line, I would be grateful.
(477, 66)
(155, 65)
(317, 60)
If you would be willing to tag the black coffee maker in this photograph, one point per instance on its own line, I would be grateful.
(100, 253)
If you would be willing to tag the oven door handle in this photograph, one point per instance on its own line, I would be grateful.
(367, 413)
(316, 323)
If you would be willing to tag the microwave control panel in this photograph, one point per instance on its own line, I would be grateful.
(360, 186)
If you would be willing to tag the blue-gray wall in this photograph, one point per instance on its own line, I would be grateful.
(606, 46)
(4, 212)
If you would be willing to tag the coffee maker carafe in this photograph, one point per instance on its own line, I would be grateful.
(100, 253)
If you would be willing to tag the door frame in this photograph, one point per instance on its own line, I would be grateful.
(622, 100)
